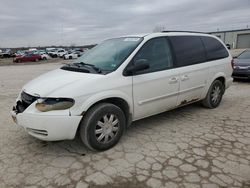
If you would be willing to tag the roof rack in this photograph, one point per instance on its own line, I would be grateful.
(184, 32)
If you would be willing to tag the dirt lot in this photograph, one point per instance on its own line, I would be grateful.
(187, 147)
(9, 61)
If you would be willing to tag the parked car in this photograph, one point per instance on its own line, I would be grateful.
(7, 53)
(71, 55)
(52, 53)
(27, 57)
(19, 53)
(79, 53)
(57, 53)
(242, 65)
(61, 53)
(123, 80)
(45, 56)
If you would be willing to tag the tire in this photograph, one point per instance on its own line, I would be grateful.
(44, 58)
(108, 134)
(70, 57)
(214, 95)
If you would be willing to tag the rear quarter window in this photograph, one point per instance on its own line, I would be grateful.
(214, 48)
(189, 50)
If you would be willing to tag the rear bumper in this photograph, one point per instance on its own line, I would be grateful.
(241, 74)
(48, 127)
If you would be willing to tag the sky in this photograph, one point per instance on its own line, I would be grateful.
(82, 22)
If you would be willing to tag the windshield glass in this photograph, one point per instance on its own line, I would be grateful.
(110, 54)
(244, 55)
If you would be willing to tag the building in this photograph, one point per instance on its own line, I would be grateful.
(237, 39)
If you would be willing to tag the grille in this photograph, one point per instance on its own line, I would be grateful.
(26, 100)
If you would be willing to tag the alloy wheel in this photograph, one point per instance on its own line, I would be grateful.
(107, 128)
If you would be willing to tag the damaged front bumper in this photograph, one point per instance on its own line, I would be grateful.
(51, 126)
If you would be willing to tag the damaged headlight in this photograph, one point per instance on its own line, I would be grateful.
(48, 104)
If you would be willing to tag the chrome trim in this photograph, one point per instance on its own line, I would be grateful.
(157, 98)
(170, 95)
(192, 88)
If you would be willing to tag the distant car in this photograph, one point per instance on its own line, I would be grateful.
(241, 65)
(79, 53)
(45, 56)
(61, 53)
(19, 53)
(57, 53)
(7, 53)
(71, 55)
(53, 53)
(27, 58)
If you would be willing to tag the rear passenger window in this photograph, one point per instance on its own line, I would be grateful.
(214, 48)
(157, 53)
(189, 50)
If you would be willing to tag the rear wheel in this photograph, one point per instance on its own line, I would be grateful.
(102, 127)
(70, 57)
(214, 95)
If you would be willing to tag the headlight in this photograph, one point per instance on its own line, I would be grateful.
(48, 104)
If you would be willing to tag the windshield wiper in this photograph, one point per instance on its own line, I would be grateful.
(97, 69)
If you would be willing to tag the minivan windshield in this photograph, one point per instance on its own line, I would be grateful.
(244, 55)
(110, 54)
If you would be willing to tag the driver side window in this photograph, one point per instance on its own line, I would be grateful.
(157, 53)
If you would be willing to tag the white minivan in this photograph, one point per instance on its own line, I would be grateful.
(123, 80)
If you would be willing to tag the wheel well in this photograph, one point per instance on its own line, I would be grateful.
(223, 80)
(121, 103)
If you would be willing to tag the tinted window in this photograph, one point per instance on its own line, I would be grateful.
(214, 48)
(157, 53)
(189, 50)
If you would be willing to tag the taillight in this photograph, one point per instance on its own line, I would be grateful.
(232, 63)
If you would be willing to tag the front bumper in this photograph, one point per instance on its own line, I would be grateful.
(48, 127)
(241, 73)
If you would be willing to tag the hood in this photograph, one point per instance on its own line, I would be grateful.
(59, 82)
(241, 62)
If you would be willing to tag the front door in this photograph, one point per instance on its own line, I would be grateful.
(155, 89)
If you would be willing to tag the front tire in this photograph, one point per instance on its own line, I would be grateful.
(102, 127)
(214, 95)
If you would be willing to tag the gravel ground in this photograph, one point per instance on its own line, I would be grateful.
(187, 147)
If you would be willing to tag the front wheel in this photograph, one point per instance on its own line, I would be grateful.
(214, 95)
(102, 127)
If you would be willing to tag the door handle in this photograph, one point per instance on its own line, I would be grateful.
(173, 80)
(184, 77)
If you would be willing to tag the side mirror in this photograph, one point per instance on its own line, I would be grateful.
(139, 65)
